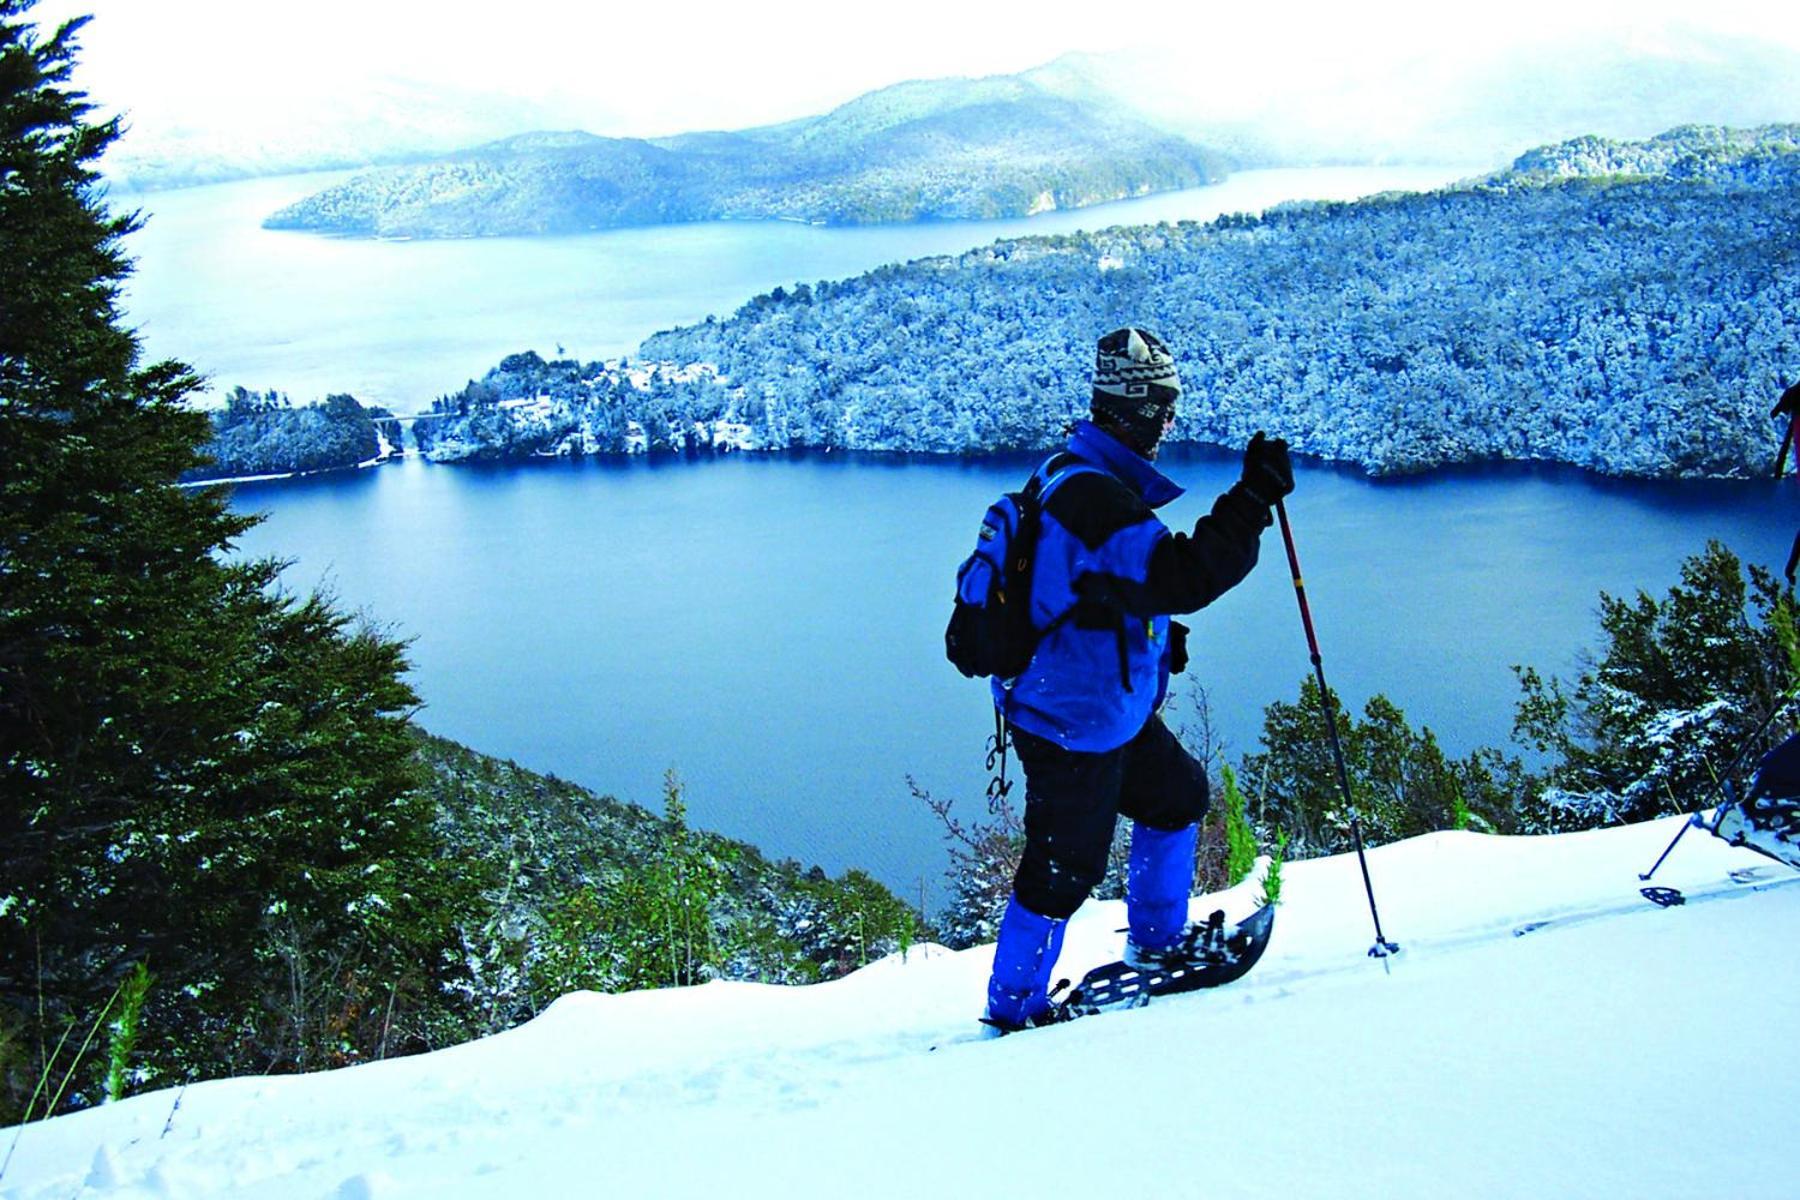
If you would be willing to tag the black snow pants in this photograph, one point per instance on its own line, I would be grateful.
(1073, 799)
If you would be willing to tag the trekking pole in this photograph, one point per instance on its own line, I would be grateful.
(1787, 439)
(1382, 947)
(1722, 783)
(1686, 825)
(1790, 405)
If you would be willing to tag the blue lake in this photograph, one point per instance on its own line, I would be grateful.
(772, 627)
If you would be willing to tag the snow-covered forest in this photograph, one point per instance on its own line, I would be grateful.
(1636, 323)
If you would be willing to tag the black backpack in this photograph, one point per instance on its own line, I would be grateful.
(990, 630)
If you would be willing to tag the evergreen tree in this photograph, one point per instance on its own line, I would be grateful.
(1651, 726)
(198, 775)
(1402, 782)
(1240, 839)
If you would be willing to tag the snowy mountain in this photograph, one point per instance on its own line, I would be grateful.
(946, 149)
(1348, 87)
(1545, 1033)
(278, 127)
(1297, 98)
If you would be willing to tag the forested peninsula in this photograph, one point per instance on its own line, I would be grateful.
(256, 434)
(1628, 307)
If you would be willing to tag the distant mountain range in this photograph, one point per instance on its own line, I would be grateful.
(1291, 97)
(1083, 129)
(950, 149)
(296, 125)
(1282, 102)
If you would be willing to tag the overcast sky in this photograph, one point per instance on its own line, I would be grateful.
(664, 66)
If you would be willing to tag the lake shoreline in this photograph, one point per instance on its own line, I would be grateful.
(280, 476)
(665, 458)
(396, 324)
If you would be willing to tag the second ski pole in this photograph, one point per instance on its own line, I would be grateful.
(1382, 947)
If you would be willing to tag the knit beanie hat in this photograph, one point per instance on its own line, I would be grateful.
(1135, 385)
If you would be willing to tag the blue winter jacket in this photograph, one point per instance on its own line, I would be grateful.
(1107, 576)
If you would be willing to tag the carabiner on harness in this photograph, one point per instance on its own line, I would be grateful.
(999, 786)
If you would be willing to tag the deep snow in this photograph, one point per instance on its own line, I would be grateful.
(1616, 1050)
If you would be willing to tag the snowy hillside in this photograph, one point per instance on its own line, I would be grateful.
(1546, 1032)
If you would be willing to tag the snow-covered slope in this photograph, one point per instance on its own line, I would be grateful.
(1616, 1049)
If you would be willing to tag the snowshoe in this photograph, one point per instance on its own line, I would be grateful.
(1179, 953)
(1208, 954)
(1767, 820)
(1778, 814)
(1056, 1014)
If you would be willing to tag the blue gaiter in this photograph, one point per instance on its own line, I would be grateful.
(1159, 880)
(1024, 956)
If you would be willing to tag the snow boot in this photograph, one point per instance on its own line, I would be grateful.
(1195, 943)
(1159, 879)
(1024, 956)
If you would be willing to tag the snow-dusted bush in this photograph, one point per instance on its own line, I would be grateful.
(1401, 781)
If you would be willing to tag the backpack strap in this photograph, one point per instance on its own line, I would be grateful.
(1048, 476)
(1054, 470)
(1051, 474)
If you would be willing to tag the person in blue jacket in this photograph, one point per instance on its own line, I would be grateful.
(1084, 711)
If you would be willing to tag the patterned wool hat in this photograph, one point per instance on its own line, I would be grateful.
(1135, 384)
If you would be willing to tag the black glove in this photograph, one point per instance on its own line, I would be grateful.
(1178, 655)
(1268, 475)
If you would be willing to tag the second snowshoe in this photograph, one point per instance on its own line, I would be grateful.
(1766, 825)
(1767, 820)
